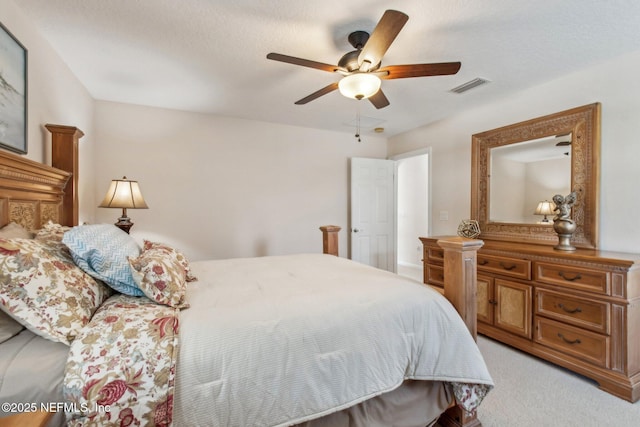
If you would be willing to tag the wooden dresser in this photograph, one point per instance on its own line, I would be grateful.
(580, 309)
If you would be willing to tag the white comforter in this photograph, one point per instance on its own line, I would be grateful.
(279, 340)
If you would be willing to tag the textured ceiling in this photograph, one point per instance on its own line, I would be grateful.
(210, 55)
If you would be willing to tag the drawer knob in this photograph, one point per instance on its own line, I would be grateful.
(507, 267)
(483, 262)
(576, 341)
(569, 310)
(570, 279)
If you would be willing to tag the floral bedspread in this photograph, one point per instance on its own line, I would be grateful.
(121, 368)
(469, 396)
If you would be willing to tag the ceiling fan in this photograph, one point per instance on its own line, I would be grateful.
(361, 68)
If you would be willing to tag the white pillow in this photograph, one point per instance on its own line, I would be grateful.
(15, 231)
(102, 251)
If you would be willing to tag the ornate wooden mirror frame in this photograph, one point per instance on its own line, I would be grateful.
(584, 124)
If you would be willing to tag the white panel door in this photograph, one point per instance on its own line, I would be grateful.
(372, 212)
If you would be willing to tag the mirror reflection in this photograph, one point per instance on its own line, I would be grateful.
(581, 128)
(524, 174)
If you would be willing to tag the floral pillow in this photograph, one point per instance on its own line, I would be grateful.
(44, 290)
(52, 231)
(161, 274)
(102, 250)
(184, 262)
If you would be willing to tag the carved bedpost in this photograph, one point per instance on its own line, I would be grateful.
(64, 155)
(460, 287)
(460, 280)
(330, 239)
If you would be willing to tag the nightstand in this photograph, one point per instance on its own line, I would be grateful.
(26, 419)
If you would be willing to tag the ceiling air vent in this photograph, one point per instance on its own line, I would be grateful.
(469, 85)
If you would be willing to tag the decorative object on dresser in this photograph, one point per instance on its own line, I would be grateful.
(469, 228)
(124, 193)
(562, 223)
(544, 208)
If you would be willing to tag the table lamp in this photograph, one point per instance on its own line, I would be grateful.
(124, 193)
(544, 208)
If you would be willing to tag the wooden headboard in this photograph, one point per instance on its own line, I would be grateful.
(32, 193)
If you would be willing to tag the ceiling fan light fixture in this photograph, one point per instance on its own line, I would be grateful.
(359, 85)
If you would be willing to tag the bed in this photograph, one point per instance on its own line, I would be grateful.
(308, 339)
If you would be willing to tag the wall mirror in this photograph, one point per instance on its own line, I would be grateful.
(516, 167)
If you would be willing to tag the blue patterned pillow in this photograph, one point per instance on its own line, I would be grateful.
(102, 251)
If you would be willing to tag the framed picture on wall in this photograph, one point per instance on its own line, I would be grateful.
(13, 93)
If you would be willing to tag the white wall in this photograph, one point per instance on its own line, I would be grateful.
(507, 183)
(220, 187)
(217, 187)
(54, 96)
(614, 84)
(544, 180)
(413, 220)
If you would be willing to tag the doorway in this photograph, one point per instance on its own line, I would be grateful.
(412, 211)
(389, 210)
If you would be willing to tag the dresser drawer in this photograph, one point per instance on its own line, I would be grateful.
(434, 254)
(434, 274)
(512, 267)
(580, 343)
(582, 312)
(573, 277)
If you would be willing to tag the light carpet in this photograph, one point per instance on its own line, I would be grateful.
(532, 392)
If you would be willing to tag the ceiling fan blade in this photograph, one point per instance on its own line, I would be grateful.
(379, 100)
(419, 70)
(317, 94)
(381, 38)
(303, 62)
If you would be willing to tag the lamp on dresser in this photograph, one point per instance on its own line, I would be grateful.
(544, 208)
(124, 193)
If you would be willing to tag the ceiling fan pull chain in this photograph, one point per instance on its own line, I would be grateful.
(357, 135)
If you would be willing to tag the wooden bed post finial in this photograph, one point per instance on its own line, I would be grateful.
(64, 155)
(330, 239)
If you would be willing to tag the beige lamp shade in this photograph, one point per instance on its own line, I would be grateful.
(124, 193)
(544, 208)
